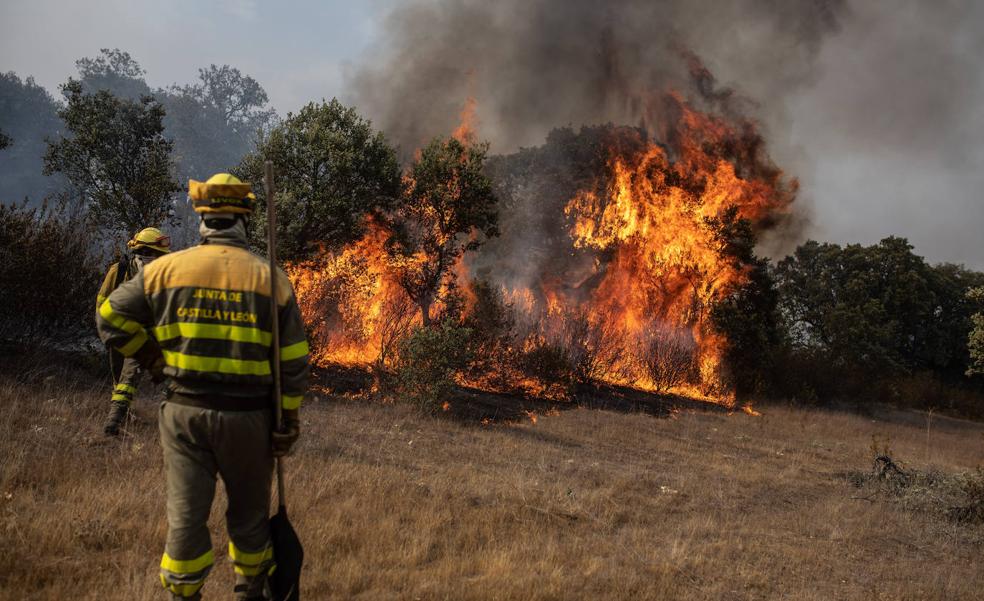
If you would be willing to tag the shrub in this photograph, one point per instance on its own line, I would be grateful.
(668, 357)
(493, 325)
(49, 275)
(548, 364)
(428, 361)
(594, 352)
(975, 340)
(957, 497)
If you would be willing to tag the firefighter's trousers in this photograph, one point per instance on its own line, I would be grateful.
(199, 444)
(126, 377)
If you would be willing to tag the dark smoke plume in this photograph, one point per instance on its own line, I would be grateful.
(533, 65)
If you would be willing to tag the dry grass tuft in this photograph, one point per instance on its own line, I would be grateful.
(584, 504)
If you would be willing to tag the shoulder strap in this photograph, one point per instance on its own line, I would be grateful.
(122, 271)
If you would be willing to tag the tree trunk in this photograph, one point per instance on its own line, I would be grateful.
(425, 305)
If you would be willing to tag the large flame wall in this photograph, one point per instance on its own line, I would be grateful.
(641, 254)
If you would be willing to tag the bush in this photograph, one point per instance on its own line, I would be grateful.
(428, 361)
(975, 340)
(49, 275)
(668, 357)
(549, 365)
(594, 352)
(493, 325)
(957, 497)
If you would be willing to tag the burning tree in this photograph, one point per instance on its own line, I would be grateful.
(447, 198)
(626, 254)
(656, 233)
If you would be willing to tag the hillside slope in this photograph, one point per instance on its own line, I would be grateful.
(584, 504)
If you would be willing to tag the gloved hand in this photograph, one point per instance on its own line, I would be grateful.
(290, 431)
(156, 370)
(150, 358)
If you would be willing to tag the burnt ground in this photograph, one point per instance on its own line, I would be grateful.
(470, 404)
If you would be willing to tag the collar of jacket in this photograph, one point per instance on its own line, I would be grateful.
(232, 236)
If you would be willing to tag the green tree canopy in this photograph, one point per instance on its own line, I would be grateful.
(116, 157)
(448, 203)
(748, 315)
(975, 341)
(332, 170)
(879, 307)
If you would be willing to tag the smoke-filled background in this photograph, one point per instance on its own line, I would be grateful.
(546, 63)
(878, 110)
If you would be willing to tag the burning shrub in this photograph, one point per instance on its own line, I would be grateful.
(446, 197)
(668, 357)
(354, 308)
(566, 349)
(608, 229)
(493, 324)
(428, 361)
(548, 365)
(330, 299)
(48, 274)
(595, 353)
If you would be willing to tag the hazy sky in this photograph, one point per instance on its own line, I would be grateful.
(296, 49)
(887, 137)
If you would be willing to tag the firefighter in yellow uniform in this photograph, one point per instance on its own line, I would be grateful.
(202, 318)
(147, 245)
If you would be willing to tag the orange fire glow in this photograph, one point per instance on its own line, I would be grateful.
(659, 266)
(352, 302)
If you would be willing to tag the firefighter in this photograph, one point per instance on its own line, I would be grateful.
(147, 245)
(202, 319)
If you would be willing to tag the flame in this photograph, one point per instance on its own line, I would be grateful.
(748, 409)
(639, 316)
(465, 132)
(352, 302)
(651, 223)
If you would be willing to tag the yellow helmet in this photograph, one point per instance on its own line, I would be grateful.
(150, 237)
(222, 193)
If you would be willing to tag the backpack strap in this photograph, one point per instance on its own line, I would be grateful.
(122, 271)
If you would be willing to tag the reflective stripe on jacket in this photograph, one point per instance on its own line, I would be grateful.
(208, 308)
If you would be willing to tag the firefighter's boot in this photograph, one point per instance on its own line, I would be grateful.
(251, 589)
(118, 412)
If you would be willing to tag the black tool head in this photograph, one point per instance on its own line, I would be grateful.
(289, 555)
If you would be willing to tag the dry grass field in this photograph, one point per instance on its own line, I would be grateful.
(584, 504)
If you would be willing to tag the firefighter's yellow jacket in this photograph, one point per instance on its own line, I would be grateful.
(206, 310)
(114, 277)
